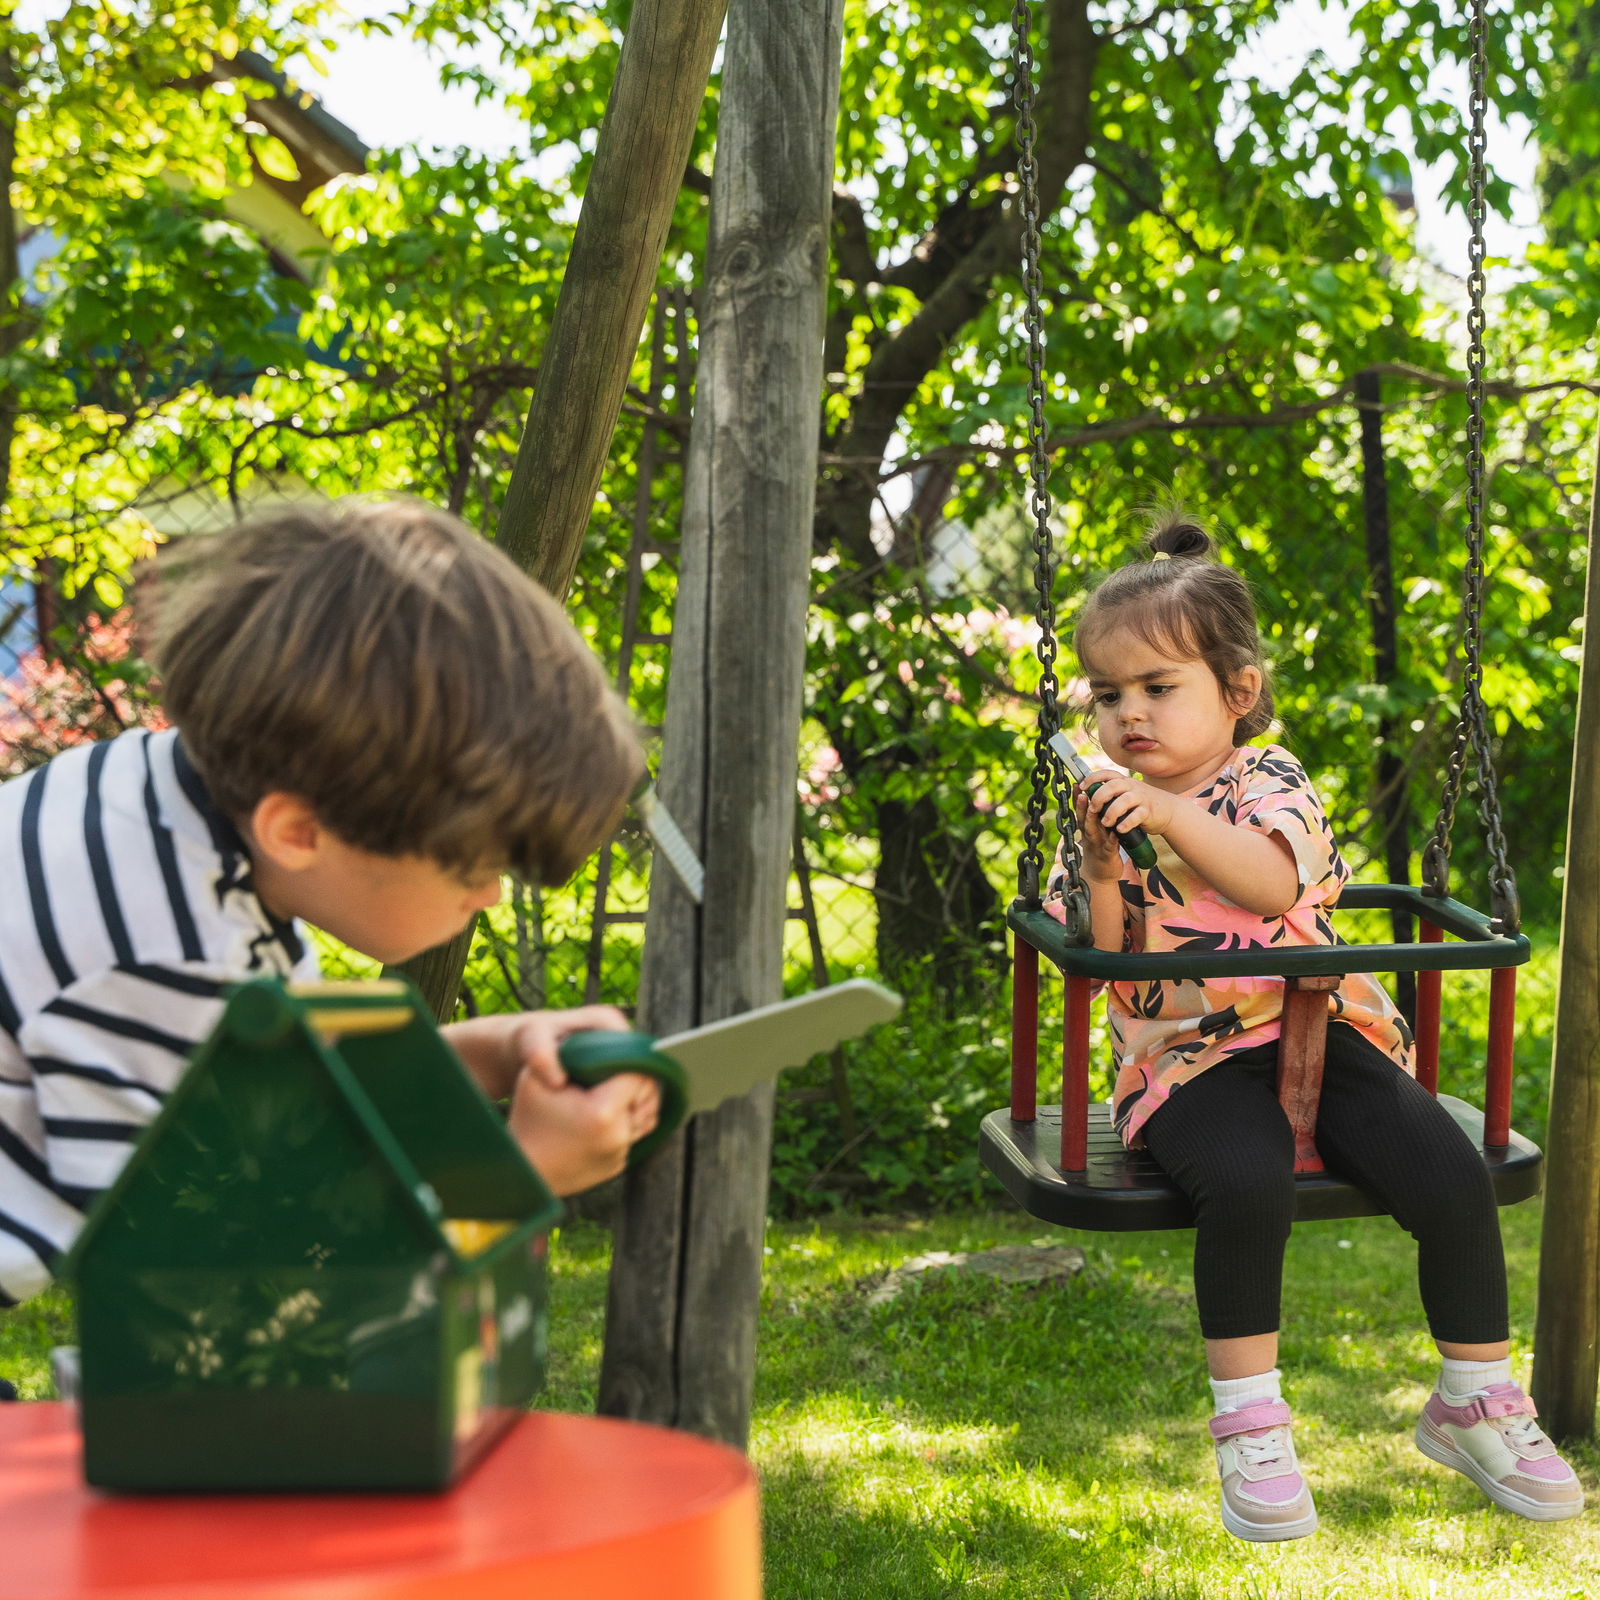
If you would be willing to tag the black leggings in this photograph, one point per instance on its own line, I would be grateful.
(1225, 1141)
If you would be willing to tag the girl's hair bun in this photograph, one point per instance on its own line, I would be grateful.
(1173, 532)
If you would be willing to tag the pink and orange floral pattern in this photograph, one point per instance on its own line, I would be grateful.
(1170, 1030)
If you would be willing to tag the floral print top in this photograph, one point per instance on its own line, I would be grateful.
(1170, 1030)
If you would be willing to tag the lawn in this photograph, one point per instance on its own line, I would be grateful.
(969, 1439)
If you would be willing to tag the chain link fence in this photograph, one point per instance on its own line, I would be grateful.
(908, 832)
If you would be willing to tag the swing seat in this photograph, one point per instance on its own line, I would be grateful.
(1067, 1165)
(1123, 1190)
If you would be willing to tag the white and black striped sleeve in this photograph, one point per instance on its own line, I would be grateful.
(104, 1054)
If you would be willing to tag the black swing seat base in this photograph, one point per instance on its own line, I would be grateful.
(1125, 1191)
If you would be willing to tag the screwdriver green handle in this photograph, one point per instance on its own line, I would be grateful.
(1135, 840)
(592, 1057)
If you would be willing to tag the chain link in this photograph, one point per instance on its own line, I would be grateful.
(1048, 777)
(1472, 724)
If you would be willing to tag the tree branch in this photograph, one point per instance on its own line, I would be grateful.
(904, 358)
(852, 245)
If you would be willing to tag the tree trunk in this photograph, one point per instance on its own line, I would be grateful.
(936, 906)
(1393, 800)
(686, 1268)
(437, 972)
(12, 323)
(1566, 1341)
(638, 172)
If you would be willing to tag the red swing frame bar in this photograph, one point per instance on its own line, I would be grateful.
(1479, 945)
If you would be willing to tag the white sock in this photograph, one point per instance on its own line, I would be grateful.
(1234, 1394)
(1459, 1379)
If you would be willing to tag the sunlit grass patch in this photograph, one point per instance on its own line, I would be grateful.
(1049, 1442)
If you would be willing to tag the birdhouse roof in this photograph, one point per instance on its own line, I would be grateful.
(373, 1048)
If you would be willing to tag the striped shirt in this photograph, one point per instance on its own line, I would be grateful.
(126, 905)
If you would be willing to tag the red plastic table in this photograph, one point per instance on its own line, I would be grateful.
(564, 1508)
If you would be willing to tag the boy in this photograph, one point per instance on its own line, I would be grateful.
(375, 714)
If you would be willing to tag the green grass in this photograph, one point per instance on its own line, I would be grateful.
(975, 1440)
(1041, 1444)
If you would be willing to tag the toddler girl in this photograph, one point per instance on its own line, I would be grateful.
(1245, 857)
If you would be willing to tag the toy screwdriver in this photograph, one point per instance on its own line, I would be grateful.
(1135, 840)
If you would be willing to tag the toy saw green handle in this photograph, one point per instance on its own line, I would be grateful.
(591, 1058)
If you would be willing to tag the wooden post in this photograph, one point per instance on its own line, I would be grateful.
(638, 171)
(686, 1266)
(1428, 1011)
(639, 165)
(1075, 1074)
(1566, 1341)
(1498, 1058)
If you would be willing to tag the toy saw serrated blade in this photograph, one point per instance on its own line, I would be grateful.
(731, 1057)
(671, 842)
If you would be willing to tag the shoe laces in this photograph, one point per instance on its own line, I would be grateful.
(1263, 1450)
(1521, 1432)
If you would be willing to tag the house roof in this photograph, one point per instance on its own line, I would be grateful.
(323, 146)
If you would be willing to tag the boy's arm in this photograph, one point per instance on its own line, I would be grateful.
(574, 1137)
(496, 1049)
(104, 1054)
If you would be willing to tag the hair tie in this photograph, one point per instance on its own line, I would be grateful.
(1162, 555)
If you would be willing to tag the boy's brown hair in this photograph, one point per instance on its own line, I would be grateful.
(380, 660)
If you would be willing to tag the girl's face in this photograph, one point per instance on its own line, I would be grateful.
(1162, 716)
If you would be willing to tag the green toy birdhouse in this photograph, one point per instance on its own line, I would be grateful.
(323, 1265)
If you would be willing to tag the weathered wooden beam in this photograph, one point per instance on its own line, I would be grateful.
(1566, 1341)
(686, 1266)
(639, 163)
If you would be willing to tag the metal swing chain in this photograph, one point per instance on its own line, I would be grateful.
(1472, 723)
(1047, 774)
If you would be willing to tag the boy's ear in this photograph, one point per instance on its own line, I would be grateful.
(285, 829)
(1244, 691)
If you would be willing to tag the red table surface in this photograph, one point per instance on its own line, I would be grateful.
(585, 1507)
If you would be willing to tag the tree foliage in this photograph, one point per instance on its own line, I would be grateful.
(1220, 258)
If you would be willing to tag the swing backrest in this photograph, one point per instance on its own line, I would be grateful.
(1310, 972)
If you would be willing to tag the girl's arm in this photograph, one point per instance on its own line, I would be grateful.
(1105, 914)
(1102, 875)
(1255, 870)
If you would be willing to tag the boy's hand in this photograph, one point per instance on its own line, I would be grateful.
(575, 1137)
(533, 1041)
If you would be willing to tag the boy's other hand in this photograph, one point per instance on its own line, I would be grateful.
(534, 1040)
(574, 1137)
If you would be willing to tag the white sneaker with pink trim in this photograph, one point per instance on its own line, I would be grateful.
(1263, 1495)
(1492, 1438)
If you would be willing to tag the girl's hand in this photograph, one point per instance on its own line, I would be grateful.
(1121, 801)
(1102, 855)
